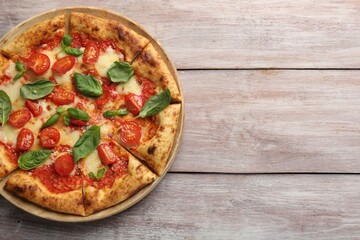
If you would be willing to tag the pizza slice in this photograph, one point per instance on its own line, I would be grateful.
(96, 35)
(8, 156)
(111, 175)
(55, 184)
(49, 31)
(150, 64)
(150, 138)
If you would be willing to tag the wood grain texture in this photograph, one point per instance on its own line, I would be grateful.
(234, 34)
(202, 206)
(270, 121)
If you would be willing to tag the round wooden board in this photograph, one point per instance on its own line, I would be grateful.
(51, 215)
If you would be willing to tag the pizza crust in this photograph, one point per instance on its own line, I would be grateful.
(6, 165)
(4, 64)
(26, 186)
(151, 65)
(104, 29)
(156, 151)
(138, 176)
(22, 44)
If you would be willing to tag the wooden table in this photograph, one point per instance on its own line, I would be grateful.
(271, 146)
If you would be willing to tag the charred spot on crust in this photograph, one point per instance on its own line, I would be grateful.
(121, 34)
(149, 59)
(151, 150)
(95, 29)
(19, 189)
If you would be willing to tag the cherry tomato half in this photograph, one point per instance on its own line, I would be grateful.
(19, 118)
(39, 63)
(77, 122)
(63, 97)
(148, 88)
(130, 133)
(107, 154)
(134, 103)
(91, 54)
(49, 137)
(24, 140)
(34, 107)
(64, 165)
(63, 65)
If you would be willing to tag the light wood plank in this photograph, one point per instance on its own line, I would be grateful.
(270, 121)
(234, 34)
(198, 206)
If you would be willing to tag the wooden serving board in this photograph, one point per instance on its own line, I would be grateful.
(51, 215)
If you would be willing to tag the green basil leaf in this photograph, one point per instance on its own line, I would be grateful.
(51, 121)
(5, 107)
(66, 120)
(33, 158)
(18, 76)
(20, 67)
(110, 113)
(66, 40)
(100, 173)
(87, 85)
(36, 90)
(156, 104)
(87, 143)
(98, 176)
(122, 112)
(92, 176)
(120, 72)
(78, 114)
(60, 110)
(113, 113)
(73, 51)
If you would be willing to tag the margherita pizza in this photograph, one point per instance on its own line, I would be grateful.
(88, 116)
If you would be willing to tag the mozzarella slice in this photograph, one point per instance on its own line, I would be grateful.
(106, 59)
(131, 86)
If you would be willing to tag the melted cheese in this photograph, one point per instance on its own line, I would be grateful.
(52, 56)
(68, 136)
(8, 134)
(13, 90)
(92, 162)
(131, 86)
(106, 59)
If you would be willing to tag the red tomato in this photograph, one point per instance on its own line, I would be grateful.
(39, 63)
(63, 97)
(79, 123)
(63, 65)
(148, 88)
(19, 118)
(107, 154)
(91, 54)
(133, 103)
(24, 140)
(34, 107)
(108, 93)
(49, 137)
(64, 165)
(92, 72)
(130, 133)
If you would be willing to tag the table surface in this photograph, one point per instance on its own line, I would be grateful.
(271, 145)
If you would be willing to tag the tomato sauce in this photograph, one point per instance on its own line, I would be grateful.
(83, 39)
(11, 152)
(52, 43)
(116, 170)
(56, 183)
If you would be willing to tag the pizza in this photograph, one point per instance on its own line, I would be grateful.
(89, 113)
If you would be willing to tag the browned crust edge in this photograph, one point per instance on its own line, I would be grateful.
(26, 186)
